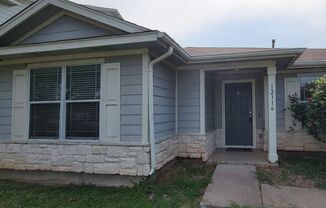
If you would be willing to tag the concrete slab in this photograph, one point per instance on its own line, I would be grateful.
(223, 156)
(289, 197)
(232, 183)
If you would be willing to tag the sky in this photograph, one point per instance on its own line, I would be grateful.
(229, 23)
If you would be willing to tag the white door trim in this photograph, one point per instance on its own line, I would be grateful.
(253, 88)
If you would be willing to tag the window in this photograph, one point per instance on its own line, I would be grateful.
(82, 97)
(72, 112)
(45, 95)
(306, 83)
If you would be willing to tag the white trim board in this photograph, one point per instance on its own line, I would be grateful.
(80, 43)
(254, 130)
(74, 57)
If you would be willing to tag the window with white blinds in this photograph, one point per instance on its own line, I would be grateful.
(45, 95)
(83, 82)
(76, 106)
(83, 101)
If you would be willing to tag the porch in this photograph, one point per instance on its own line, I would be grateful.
(240, 110)
(239, 156)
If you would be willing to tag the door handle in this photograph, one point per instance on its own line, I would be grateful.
(250, 116)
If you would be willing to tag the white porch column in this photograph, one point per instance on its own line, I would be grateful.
(271, 81)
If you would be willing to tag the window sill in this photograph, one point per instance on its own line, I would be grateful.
(75, 142)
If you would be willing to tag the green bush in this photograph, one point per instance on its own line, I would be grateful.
(312, 113)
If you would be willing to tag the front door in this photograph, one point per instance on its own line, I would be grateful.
(238, 114)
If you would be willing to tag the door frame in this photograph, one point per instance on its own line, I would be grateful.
(253, 95)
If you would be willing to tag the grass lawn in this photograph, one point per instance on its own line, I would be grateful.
(180, 184)
(296, 169)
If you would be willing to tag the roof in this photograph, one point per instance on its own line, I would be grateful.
(105, 10)
(309, 55)
(91, 13)
(188, 55)
(206, 51)
(9, 10)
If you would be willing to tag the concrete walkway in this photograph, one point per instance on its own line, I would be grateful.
(232, 183)
(238, 184)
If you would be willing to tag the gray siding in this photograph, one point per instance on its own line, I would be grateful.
(5, 103)
(260, 112)
(7, 11)
(188, 102)
(209, 101)
(66, 28)
(131, 97)
(280, 103)
(164, 102)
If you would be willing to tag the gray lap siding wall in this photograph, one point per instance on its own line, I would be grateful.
(66, 28)
(131, 97)
(209, 101)
(164, 78)
(5, 103)
(188, 102)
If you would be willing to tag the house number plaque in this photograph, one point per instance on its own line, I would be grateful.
(272, 96)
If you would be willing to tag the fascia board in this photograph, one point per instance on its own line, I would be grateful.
(79, 44)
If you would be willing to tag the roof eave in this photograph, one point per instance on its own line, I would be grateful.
(79, 44)
(249, 56)
(245, 56)
(308, 64)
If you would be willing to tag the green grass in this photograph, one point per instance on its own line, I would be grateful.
(296, 169)
(179, 185)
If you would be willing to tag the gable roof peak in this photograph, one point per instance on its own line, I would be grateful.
(82, 10)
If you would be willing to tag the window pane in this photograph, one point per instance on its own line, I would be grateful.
(83, 82)
(306, 84)
(45, 84)
(82, 120)
(44, 121)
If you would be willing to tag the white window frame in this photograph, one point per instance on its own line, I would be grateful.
(29, 102)
(63, 102)
(306, 75)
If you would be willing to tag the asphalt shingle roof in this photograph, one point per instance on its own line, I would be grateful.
(310, 55)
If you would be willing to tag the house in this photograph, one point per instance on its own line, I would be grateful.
(83, 90)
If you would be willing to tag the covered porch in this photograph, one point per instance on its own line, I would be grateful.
(238, 106)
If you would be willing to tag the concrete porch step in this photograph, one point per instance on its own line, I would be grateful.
(255, 157)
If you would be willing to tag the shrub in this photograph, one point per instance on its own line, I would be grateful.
(312, 113)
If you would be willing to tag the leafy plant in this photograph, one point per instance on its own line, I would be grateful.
(312, 113)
